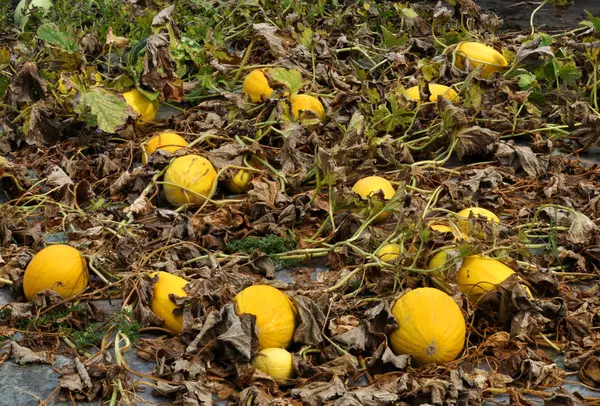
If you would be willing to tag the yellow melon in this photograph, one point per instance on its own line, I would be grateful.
(189, 180)
(256, 86)
(304, 102)
(166, 141)
(435, 90)
(479, 275)
(371, 185)
(239, 183)
(141, 104)
(275, 362)
(162, 305)
(481, 54)
(474, 212)
(389, 252)
(432, 327)
(274, 311)
(60, 268)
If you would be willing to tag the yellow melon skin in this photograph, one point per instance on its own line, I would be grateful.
(256, 86)
(438, 260)
(432, 327)
(481, 54)
(463, 217)
(141, 104)
(60, 268)
(389, 252)
(191, 172)
(239, 183)
(371, 185)
(167, 141)
(162, 306)
(274, 311)
(304, 102)
(479, 275)
(275, 362)
(435, 90)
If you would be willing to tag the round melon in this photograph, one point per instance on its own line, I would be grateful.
(274, 311)
(479, 275)
(389, 252)
(147, 108)
(166, 141)
(432, 327)
(239, 183)
(275, 362)
(189, 180)
(256, 86)
(371, 185)
(60, 268)
(162, 305)
(305, 102)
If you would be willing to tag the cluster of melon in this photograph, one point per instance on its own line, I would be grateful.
(473, 54)
(477, 275)
(256, 86)
(275, 320)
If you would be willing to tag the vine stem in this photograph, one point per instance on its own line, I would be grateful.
(533, 15)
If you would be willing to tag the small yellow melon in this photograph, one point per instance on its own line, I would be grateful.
(141, 104)
(239, 183)
(166, 141)
(371, 185)
(435, 90)
(189, 180)
(275, 362)
(256, 86)
(432, 327)
(274, 311)
(304, 102)
(481, 54)
(463, 217)
(479, 275)
(389, 252)
(162, 305)
(438, 260)
(60, 268)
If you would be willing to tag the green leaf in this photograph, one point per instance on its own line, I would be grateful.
(307, 37)
(391, 40)
(109, 111)
(53, 35)
(526, 79)
(290, 78)
(569, 73)
(595, 21)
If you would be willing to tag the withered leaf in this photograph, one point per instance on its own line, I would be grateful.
(316, 393)
(160, 70)
(27, 86)
(530, 54)
(521, 157)
(590, 371)
(565, 398)
(24, 355)
(475, 140)
(311, 321)
(367, 397)
(384, 355)
(276, 41)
